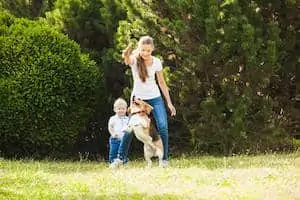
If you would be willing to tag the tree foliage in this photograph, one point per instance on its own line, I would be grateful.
(232, 67)
(29, 9)
(225, 57)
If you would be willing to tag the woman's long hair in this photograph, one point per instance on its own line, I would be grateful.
(141, 66)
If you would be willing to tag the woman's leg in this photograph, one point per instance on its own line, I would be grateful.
(124, 146)
(160, 116)
(114, 144)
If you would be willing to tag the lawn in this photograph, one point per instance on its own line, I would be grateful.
(270, 176)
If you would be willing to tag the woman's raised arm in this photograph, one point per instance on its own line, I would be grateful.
(127, 55)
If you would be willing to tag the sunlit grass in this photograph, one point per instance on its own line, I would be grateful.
(272, 176)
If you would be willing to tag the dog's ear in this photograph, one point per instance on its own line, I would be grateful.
(148, 108)
(129, 110)
(138, 101)
(134, 108)
(145, 106)
(140, 105)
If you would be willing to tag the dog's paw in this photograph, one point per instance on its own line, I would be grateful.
(148, 166)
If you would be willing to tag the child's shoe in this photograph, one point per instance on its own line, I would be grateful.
(116, 163)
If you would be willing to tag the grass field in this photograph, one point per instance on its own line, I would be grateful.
(271, 176)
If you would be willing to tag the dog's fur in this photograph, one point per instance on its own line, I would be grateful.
(144, 130)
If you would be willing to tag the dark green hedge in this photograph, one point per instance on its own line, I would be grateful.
(48, 90)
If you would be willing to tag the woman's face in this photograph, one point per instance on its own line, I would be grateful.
(146, 51)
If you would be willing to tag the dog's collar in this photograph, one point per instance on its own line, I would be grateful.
(138, 112)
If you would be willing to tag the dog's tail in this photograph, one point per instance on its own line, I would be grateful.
(153, 131)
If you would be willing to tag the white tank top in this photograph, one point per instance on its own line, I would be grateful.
(148, 89)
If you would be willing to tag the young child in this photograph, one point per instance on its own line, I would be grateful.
(116, 124)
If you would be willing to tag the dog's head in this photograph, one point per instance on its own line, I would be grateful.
(139, 106)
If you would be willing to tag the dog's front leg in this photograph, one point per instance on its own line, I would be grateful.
(149, 162)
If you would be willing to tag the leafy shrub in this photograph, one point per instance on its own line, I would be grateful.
(6, 19)
(48, 90)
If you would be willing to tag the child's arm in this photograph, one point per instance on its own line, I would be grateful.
(111, 128)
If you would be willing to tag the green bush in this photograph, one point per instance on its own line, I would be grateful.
(48, 90)
(6, 19)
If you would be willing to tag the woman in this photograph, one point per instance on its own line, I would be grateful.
(145, 68)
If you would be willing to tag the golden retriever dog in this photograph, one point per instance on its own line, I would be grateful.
(140, 124)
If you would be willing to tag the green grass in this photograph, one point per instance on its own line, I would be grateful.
(271, 176)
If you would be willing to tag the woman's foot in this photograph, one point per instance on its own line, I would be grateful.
(164, 164)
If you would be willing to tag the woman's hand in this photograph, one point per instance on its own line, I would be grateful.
(172, 109)
(126, 54)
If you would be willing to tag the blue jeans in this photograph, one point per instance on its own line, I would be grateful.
(160, 116)
(114, 144)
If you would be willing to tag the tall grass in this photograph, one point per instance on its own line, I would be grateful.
(271, 176)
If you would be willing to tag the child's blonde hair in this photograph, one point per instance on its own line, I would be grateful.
(120, 103)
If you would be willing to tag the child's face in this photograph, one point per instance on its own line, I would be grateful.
(146, 51)
(121, 110)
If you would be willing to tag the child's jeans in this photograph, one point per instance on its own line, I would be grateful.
(114, 144)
